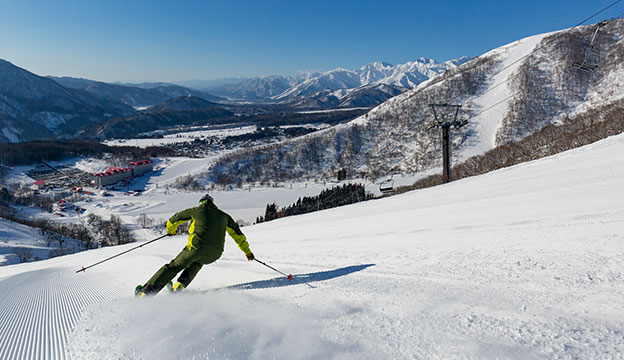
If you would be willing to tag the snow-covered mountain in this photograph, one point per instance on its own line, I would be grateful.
(506, 94)
(521, 263)
(362, 96)
(255, 89)
(338, 81)
(35, 107)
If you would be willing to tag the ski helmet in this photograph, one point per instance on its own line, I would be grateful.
(206, 197)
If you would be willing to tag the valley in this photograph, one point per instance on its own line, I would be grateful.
(363, 248)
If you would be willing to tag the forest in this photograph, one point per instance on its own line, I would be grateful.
(31, 152)
(328, 198)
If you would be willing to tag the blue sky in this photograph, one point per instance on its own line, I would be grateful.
(134, 41)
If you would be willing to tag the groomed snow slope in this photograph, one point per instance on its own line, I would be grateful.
(524, 263)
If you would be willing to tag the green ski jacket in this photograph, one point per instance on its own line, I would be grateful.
(208, 227)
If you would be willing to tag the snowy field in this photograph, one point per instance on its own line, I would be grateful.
(220, 132)
(160, 200)
(184, 136)
(522, 263)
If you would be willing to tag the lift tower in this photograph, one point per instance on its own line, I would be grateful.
(446, 118)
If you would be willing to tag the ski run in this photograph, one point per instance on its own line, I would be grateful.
(522, 263)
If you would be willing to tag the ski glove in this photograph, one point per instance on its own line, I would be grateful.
(250, 256)
(172, 228)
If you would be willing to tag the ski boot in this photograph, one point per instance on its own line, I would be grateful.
(175, 287)
(138, 291)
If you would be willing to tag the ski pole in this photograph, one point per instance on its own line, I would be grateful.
(289, 276)
(121, 253)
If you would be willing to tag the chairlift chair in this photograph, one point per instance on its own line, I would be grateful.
(387, 186)
(591, 60)
(592, 53)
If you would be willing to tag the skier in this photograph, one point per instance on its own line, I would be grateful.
(205, 245)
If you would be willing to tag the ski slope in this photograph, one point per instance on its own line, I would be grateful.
(22, 237)
(488, 123)
(526, 262)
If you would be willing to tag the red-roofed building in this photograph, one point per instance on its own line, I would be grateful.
(39, 184)
(113, 174)
(141, 167)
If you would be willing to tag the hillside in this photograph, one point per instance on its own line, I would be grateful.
(370, 94)
(18, 242)
(144, 122)
(506, 95)
(134, 94)
(35, 107)
(524, 262)
(361, 96)
(183, 103)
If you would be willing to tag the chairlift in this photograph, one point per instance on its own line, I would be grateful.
(592, 53)
(387, 186)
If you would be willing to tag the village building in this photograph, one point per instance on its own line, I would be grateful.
(39, 185)
(114, 175)
(141, 167)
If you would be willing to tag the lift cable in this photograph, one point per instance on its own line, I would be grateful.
(461, 71)
(522, 58)
(540, 47)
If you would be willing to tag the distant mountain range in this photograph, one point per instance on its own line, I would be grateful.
(507, 95)
(335, 86)
(136, 95)
(207, 85)
(34, 107)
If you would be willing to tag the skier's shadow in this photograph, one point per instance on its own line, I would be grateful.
(298, 279)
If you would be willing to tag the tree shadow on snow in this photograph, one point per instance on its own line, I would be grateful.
(298, 279)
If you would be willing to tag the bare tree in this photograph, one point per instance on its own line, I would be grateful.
(51, 237)
(145, 222)
(23, 254)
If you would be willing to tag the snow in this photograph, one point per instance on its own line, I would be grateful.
(11, 134)
(89, 165)
(183, 136)
(51, 120)
(488, 123)
(17, 175)
(610, 91)
(244, 327)
(487, 109)
(172, 168)
(15, 236)
(406, 75)
(330, 110)
(524, 262)
(244, 204)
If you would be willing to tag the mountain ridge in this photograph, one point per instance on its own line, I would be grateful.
(135, 95)
(284, 88)
(33, 107)
(541, 87)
